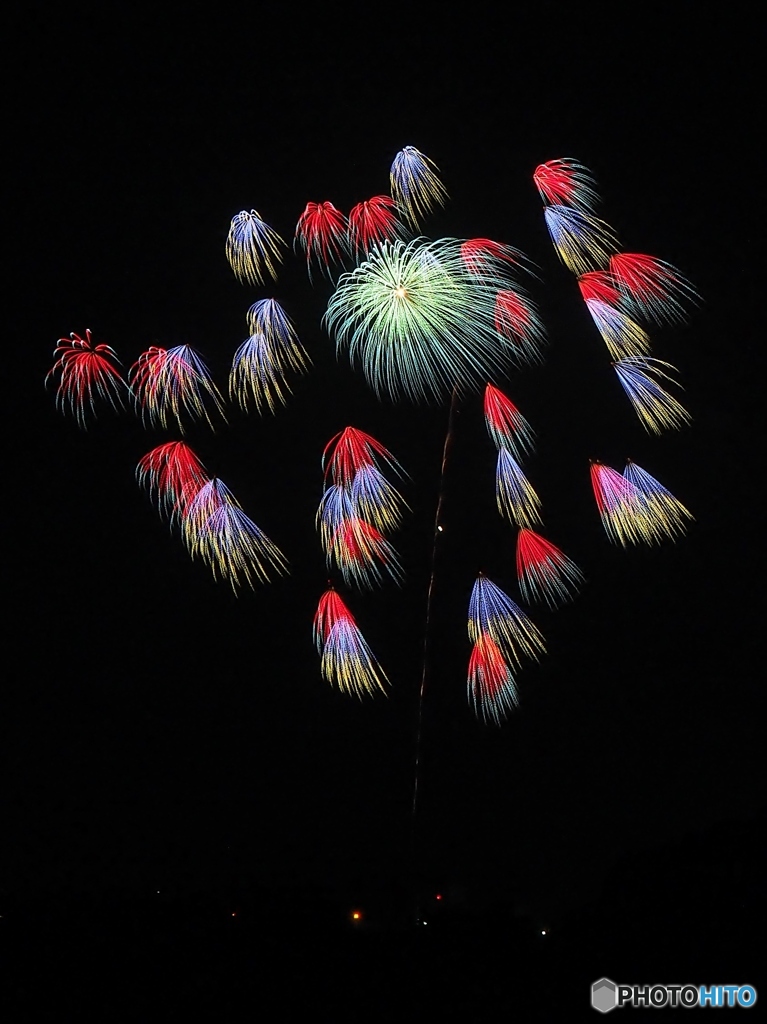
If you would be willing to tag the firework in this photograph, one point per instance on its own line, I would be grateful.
(601, 286)
(86, 373)
(582, 241)
(623, 337)
(362, 554)
(173, 475)
(566, 182)
(262, 362)
(253, 248)
(483, 255)
(506, 425)
(653, 289)
(666, 515)
(517, 320)
(545, 573)
(231, 545)
(322, 234)
(256, 376)
(516, 498)
(658, 410)
(346, 660)
(372, 223)
(174, 384)
(351, 450)
(358, 506)
(494, 614)
(621, 509)
(491, 686)
(418, 322)
(415, 186)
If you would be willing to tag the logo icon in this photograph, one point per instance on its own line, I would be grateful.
(603, 995)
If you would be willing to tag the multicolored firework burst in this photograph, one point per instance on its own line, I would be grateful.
(87, 374)
(426, 320)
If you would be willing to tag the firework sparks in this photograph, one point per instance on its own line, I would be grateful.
(87, 373)
(346, 660)
(253, 248)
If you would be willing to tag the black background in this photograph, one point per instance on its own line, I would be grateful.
(163, 734)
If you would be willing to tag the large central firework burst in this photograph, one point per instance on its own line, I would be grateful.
(420, 321)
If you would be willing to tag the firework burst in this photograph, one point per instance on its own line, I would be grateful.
(492, 689)
(545, 573)
(418, 322)
(665, 515)
(653, 289)
(173, 475)
(506, 425)
(583, 242)
(623, 337)
(358, 506)
(415, 185)
(373, 222)
(217, 530)
(620, 506)
(322, 234)
(86, 373)
(657, 410)
(566, 182)
(492, 613)
(172, 385)
(516, 498)
(253, 248)
(346, 660)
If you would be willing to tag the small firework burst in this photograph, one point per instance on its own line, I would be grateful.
(506, 425)
(253, 248)
(415, 185)
(173, 385)
(653, 289)
(657, 410)
(567, 182)
(322, 234)
(582, 241)
(545, 573)
(87, 373)
(346, 660)
(371, 223)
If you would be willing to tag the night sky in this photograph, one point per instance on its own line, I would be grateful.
(162, 733)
